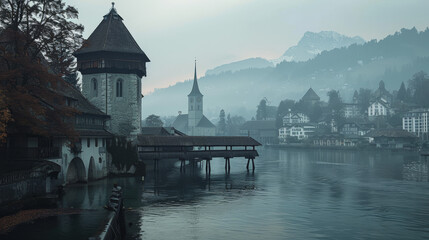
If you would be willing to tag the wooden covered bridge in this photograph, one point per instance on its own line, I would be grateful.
(197, 148)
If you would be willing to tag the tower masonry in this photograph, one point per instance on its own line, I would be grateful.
(112, 66)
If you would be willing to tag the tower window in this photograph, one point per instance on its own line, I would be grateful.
(119, 85)
(94, 87)
(192, 107)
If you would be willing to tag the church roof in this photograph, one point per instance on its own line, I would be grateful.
(111, 35)
(181, 123)
(195, 89)
(310, 95)
(205, 123)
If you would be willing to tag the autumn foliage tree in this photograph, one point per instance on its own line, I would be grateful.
(37, 39)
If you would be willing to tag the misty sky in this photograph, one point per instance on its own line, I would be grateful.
(173, 32)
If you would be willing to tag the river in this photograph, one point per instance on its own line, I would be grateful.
(292, 194)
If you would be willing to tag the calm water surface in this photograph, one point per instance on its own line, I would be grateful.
(293, 194)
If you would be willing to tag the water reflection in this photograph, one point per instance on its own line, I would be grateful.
(293, 194)
(415, 170)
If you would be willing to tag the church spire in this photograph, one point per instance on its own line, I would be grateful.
(195, 89)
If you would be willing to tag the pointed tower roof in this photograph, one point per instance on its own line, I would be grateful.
(195, 89)
(111, 35)
(310, 95)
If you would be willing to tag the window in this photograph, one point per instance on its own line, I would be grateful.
(94, 87)
(100, 160)
(96, 142)
(119, 85)
(103, 142)
(88, 142)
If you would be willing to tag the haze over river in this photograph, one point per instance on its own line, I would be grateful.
(292, 194)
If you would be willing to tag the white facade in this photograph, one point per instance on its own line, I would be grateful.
(294, 118)
(300, 132)
(89, 164)
(416, 122)
(351, 110)
(378, 108)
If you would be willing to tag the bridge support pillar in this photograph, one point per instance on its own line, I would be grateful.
(253, 163)
(182, 165)
(227, 165)
(208, 166)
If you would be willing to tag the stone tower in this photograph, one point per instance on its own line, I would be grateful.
(112, 65)
(195, 105)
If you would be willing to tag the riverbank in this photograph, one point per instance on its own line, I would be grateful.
(351, 148)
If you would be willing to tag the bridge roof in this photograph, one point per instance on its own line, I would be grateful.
(189, 141)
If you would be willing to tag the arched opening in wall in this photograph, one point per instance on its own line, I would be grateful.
(76, 171)
(91, 170)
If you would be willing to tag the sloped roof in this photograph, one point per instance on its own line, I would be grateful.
(205, 123)
(188, 141)
(259, 125)
(154, 131)
(83, 105)
(311, 95)
(111, 35)
(161, 131)
(181, 122)
(195, 89)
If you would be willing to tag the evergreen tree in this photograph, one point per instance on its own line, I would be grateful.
(335, 106)
(261, 112)
(355, 97)
(221, 125)
(233, 125)
(402, 95)
(364, 98)
(419, 86)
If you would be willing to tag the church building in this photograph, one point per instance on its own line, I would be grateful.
(112, 66)
(195, 123)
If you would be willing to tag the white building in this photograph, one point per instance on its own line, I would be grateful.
(379, 107)
(299, 132)
(416, 121)
(295, 118)
(351, 110)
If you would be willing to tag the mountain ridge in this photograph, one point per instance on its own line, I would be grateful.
(393, 59)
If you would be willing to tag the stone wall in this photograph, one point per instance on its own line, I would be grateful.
(125, 111)
(18, 185)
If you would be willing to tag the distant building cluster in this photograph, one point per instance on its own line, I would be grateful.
(384, 122)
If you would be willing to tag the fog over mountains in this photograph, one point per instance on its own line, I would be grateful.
(308, 47)
(312, 44)
(238, 87)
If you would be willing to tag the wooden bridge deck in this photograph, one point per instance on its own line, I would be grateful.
(197, 155)
(196, 148)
